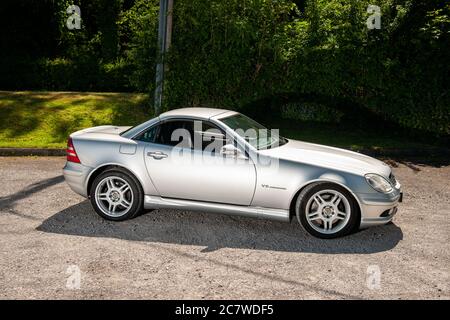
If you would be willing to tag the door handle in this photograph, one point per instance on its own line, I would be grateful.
(158, 155)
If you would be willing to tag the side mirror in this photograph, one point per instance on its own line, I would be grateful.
(230, 151)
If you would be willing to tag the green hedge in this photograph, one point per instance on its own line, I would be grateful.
(62, 74)
(237, 53)
(311, 112)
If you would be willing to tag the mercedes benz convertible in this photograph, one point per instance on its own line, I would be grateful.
(221, 161)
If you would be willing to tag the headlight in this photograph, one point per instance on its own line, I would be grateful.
(379, 183)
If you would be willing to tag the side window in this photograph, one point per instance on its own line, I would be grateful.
(201, 135)
(175, 133)
(148, 135)
(208, 137)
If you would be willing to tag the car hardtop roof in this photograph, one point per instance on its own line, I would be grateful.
(203, 113)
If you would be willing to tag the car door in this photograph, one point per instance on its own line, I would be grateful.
(181, 167)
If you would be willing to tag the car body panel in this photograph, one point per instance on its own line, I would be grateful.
(200, 113)
(156, 202)
(96, 151)
(191, 175)
(328, 157)
(278, 186)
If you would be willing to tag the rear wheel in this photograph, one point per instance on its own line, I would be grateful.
(327, 210)
(116, 195)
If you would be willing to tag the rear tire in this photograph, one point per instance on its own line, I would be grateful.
(116, 195)
(327, 210)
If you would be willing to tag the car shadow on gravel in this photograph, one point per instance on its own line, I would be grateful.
(215, 231)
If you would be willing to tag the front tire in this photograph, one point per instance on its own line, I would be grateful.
(116, 195)
(327, 210)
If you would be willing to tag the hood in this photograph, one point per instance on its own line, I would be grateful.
(330, 157)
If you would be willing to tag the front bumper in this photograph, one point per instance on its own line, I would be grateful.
(378, 209)
(76, 176)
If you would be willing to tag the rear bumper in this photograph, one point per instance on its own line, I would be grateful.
(76, 176)
(378, 209)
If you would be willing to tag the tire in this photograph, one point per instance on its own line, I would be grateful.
(327, 210)
(119, 190)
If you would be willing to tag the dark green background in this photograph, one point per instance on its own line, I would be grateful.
(253, 55)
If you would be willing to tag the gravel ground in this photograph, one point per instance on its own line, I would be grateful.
(48, 233)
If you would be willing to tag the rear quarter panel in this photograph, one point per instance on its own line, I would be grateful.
(98, 151)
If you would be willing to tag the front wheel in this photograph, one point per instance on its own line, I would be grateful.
(116, 195)
(327, 210)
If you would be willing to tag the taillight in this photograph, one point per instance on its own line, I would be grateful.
(71, 153)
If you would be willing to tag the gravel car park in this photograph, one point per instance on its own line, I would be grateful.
(53, 245)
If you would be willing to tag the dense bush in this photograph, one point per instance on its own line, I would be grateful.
(237, 53)
(63, 74)
(242, 51)
(140, 24)
(305, 111)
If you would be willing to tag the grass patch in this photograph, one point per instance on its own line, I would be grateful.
(45, 120)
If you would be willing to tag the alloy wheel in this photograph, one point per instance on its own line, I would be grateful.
(328, 211)
(114, 196)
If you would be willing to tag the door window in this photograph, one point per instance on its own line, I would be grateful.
(200, 135)
(208, 137)
(175, 133)
(171, 133)
(148, 135)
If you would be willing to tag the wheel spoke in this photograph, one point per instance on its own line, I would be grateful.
(327, 224)
(124, 203)
(319, 199)
(103, 196)
(110, 183)
(336, 200)
(313, 216)
(340, 215)
(124, 188)
(112, 207)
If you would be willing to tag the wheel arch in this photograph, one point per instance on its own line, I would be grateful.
(339, 183)
(102, 168)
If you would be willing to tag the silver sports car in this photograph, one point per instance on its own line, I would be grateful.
(221, 161)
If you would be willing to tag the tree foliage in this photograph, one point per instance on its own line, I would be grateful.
(234, 53)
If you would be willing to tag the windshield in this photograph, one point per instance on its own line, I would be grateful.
(254, 133)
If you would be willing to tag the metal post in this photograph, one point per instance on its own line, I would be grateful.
(169, 24)
(164, 40)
